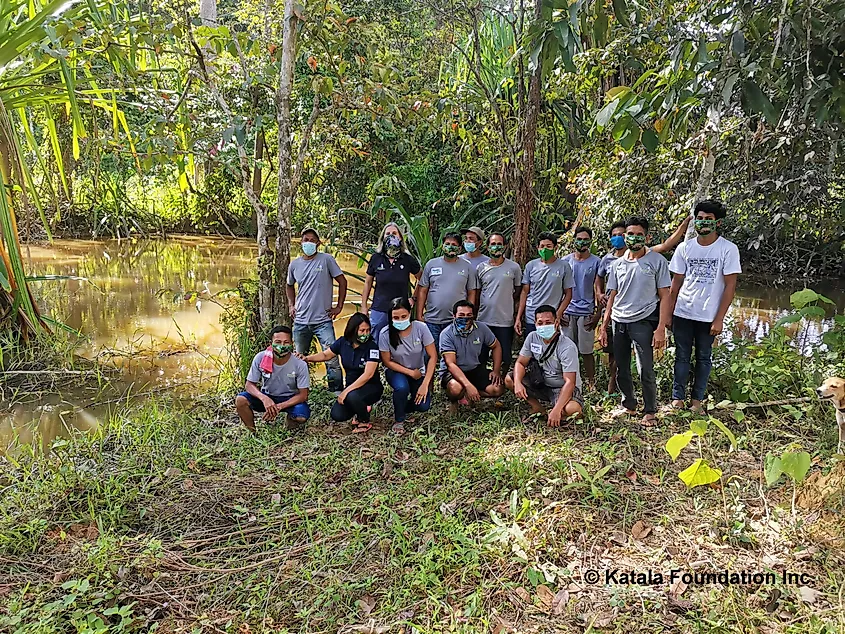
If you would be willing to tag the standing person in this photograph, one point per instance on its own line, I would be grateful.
(390, 268)
(284, 384)
(404, 346)
(546, 280)
(311, 308)
(617, 241)
(473, 243)
(359, 356)
(444, 281)
(637, 282)
(464, 376)
(703, 287)
(581, 318)
(499, 283)
(557, 356)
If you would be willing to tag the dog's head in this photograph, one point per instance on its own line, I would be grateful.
(832, 389)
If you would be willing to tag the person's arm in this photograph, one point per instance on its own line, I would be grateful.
(473, 287)
(727, 298)
(390, 364)
(496, 374)
(659, 340)
(342, 285)
(564, 303)
(566, 392)
(451, 360)
(370, 370)
(472, 297)
(675, 239)
(290, 291)
(422, 297)
(598, 291)
(365, 294)
(606, 321)
(300, 397)
(252, 388)
(520, 313)
(518, 375)
(319, 357)
(674, 290)
(430, 369)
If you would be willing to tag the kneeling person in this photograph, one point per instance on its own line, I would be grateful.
(462, 346)
(284, 384)
(557, 356)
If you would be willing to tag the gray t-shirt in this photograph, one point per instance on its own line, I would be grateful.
(315, 280)
(447, 282)
(606, 261)
(285, 381)
(467, 349)
(548, 282)
(563, 359)
(583, 295)
(410, 353)
(476, 261)
(636, 282)
(497, 284)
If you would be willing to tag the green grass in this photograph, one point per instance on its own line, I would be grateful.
(185, 522)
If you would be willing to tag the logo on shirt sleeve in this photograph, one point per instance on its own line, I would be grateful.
(374, 354)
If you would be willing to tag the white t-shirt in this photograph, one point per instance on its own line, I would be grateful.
(704, 270)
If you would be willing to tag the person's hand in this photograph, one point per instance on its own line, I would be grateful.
(554, 416)
(415, 374)
(472, 393)
(292, 312)
(342, 396)
(603, 337)
(422, 394)
(271, 409)
(495, 378)
(601, 298)
(717, 327)
(517, 326)
(334, 312)
(299, 355)
(519, 390)
(658, 342)
(365, 310)
(591, 322)
(563, 321)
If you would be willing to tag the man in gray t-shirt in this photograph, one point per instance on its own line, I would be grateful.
(464, 376)
(636, 282)
(499, 283)
(284, 383)
(309, 290)
(444, 281)
(546, 280)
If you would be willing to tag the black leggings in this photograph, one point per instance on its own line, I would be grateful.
(356, 402)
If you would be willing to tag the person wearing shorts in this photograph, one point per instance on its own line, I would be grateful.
(580, 318)
(463, 375)
(561, 376)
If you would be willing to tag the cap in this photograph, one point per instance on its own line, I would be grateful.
(310, 230)
(477, 231)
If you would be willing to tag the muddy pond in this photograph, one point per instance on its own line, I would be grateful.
(146, 307)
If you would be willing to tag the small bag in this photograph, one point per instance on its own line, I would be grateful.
(534, 375)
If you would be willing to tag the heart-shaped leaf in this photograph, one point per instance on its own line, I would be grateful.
(699, 473)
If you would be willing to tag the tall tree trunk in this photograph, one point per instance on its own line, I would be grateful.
(284, 197)
(208, 12)
(713, 131)
(524, 193)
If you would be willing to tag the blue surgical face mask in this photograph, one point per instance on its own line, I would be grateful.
(309, 248)
(617, 242)
(469, 247)
(547, 331)
(402, 325)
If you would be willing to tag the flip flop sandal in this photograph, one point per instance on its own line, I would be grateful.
(649, 420)
(362, 428)
(621, 412)
(398, 428)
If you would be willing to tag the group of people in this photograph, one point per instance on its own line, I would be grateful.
(468, 308)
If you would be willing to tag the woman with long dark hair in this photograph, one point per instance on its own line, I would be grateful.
(359, 356)
(390, 270)
(404, 345)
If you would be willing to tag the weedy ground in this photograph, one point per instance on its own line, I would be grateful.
(181, 521)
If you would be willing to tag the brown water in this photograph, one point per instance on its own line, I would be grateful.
(147, 306)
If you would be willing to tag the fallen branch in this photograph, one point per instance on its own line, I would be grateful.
(786, 401)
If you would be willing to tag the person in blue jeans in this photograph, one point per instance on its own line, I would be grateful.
(310, 286)
(404, 345)
(284, 383)
(390, 269)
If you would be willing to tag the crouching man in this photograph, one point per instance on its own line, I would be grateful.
(284, 384)
(547, 370)
(465, 378)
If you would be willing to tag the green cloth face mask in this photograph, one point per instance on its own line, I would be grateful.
(280, 349)
(496, 249)
(705, 226)
(364, 338)
(634, 242)
(451, 250)
(546, 254)
(582, 244)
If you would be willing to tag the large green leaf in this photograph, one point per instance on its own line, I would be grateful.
(699, 473)
(677, 443)
(620, 10)
(650, 140)
(795, 465)
(801, 298)
(759, 102)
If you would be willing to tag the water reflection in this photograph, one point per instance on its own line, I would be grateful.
(133, 311)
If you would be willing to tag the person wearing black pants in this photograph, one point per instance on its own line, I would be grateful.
(359, 357)
(641, 335)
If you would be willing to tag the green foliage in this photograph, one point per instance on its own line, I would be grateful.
(699, 472)
(795, 464)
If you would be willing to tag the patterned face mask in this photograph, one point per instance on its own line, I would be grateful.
(706, 226)
(634, 242)
(364, 338)
(463, 325)
(496, 249)
(281, 349)
(451, 250)
(392, 245)
(582, 244)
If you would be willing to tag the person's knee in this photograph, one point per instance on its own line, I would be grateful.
(509, 382)
(495, 390)
(339, 413)
(454, 390)
(424, 406)
(574, 408)
(241, 402)
(300, 411)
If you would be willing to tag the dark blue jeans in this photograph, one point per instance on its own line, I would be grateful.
(504, 334)
(405, 393)
(688, 333)
(435, 330)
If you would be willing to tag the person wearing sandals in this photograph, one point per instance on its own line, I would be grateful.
(404, 345)
(639, 307)
(359, 357)
(546, 370)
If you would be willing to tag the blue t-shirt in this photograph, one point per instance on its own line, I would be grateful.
(583, 295)
(392, 279)
(354, 360)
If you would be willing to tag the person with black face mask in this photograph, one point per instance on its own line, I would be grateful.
(705, 275)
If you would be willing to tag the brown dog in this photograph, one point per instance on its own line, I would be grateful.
(833, 390)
